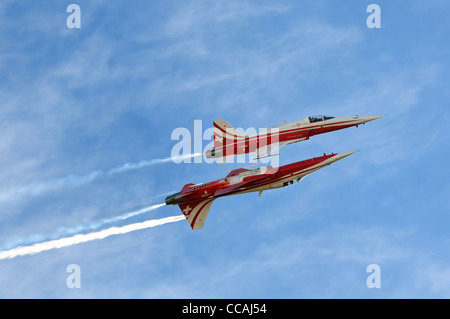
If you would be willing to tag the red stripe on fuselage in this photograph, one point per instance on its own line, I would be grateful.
(288, 169)
(275, 180)
(265, 139)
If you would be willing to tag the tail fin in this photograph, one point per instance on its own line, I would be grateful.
(225, 131)
(196, 212)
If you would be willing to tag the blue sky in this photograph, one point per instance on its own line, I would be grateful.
(79, 101)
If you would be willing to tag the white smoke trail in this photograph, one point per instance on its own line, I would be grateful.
(127, 215)
(82, 238)
(66, 231)
(97, 224)
(71, 181)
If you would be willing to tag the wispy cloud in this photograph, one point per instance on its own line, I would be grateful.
(195, 17)
(71, 181)
(110, 93)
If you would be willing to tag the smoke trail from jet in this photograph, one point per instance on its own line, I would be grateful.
(71, 181)
(77, 229)
(83, 238)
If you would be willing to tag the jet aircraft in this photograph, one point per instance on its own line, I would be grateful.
(195, 200)
(229, 142)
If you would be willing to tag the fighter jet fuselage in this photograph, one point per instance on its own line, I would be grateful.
(229, 142)
(195, 200)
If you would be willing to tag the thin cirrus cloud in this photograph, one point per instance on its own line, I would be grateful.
(253, 64)
(71, 181)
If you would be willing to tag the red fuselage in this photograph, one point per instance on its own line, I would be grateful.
(229, 142)
(243, 180)
(195, 200)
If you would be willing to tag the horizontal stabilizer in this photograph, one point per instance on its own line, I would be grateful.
(225, 159)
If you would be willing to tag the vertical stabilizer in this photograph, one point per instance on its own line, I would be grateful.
(225, 133)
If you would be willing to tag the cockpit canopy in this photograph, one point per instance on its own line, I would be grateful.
(318, 118)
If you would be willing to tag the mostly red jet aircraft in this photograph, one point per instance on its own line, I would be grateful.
(195, 200)
(229, 142)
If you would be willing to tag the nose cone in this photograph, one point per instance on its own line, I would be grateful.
(343, 155)
(365, 119)
(339, 156)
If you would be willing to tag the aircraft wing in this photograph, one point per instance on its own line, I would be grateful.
(196, 212)
(267, 150)
(246, 181)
